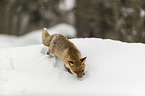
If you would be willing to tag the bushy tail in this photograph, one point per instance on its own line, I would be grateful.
(45, 38)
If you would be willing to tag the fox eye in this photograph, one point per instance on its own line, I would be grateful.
(82, 70)
(75, 71)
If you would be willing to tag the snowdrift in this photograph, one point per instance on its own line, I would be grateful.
(113, 68)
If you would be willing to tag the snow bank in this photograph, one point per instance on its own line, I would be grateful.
(34, 37)
(113, 68)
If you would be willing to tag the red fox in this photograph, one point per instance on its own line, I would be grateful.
(61, 47)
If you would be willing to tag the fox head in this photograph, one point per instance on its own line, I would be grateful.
(77, 67)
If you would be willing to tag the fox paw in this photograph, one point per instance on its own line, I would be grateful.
(48, 53)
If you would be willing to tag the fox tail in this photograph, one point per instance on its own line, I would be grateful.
(45, 36)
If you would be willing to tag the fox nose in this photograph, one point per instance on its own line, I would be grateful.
(79, 75)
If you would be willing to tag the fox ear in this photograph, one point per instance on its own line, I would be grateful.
(70, 62)
(83, 59)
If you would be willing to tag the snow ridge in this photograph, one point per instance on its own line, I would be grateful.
(112, 68)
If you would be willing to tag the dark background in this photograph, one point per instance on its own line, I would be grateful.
(113, 19)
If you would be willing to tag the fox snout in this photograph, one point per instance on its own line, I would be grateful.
(80, 75)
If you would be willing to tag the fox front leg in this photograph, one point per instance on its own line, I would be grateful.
(68, 69)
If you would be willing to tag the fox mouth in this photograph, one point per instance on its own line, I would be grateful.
(81, 76)
(80, 79)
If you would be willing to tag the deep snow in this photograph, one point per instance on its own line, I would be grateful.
(113, 68)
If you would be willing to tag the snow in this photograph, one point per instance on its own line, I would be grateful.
(34, 37)
(113, 68)
(67, 5)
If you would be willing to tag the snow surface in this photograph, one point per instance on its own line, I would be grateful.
(34, 37)
(113, 68)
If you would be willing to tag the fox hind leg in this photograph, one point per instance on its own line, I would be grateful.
(50, 51)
